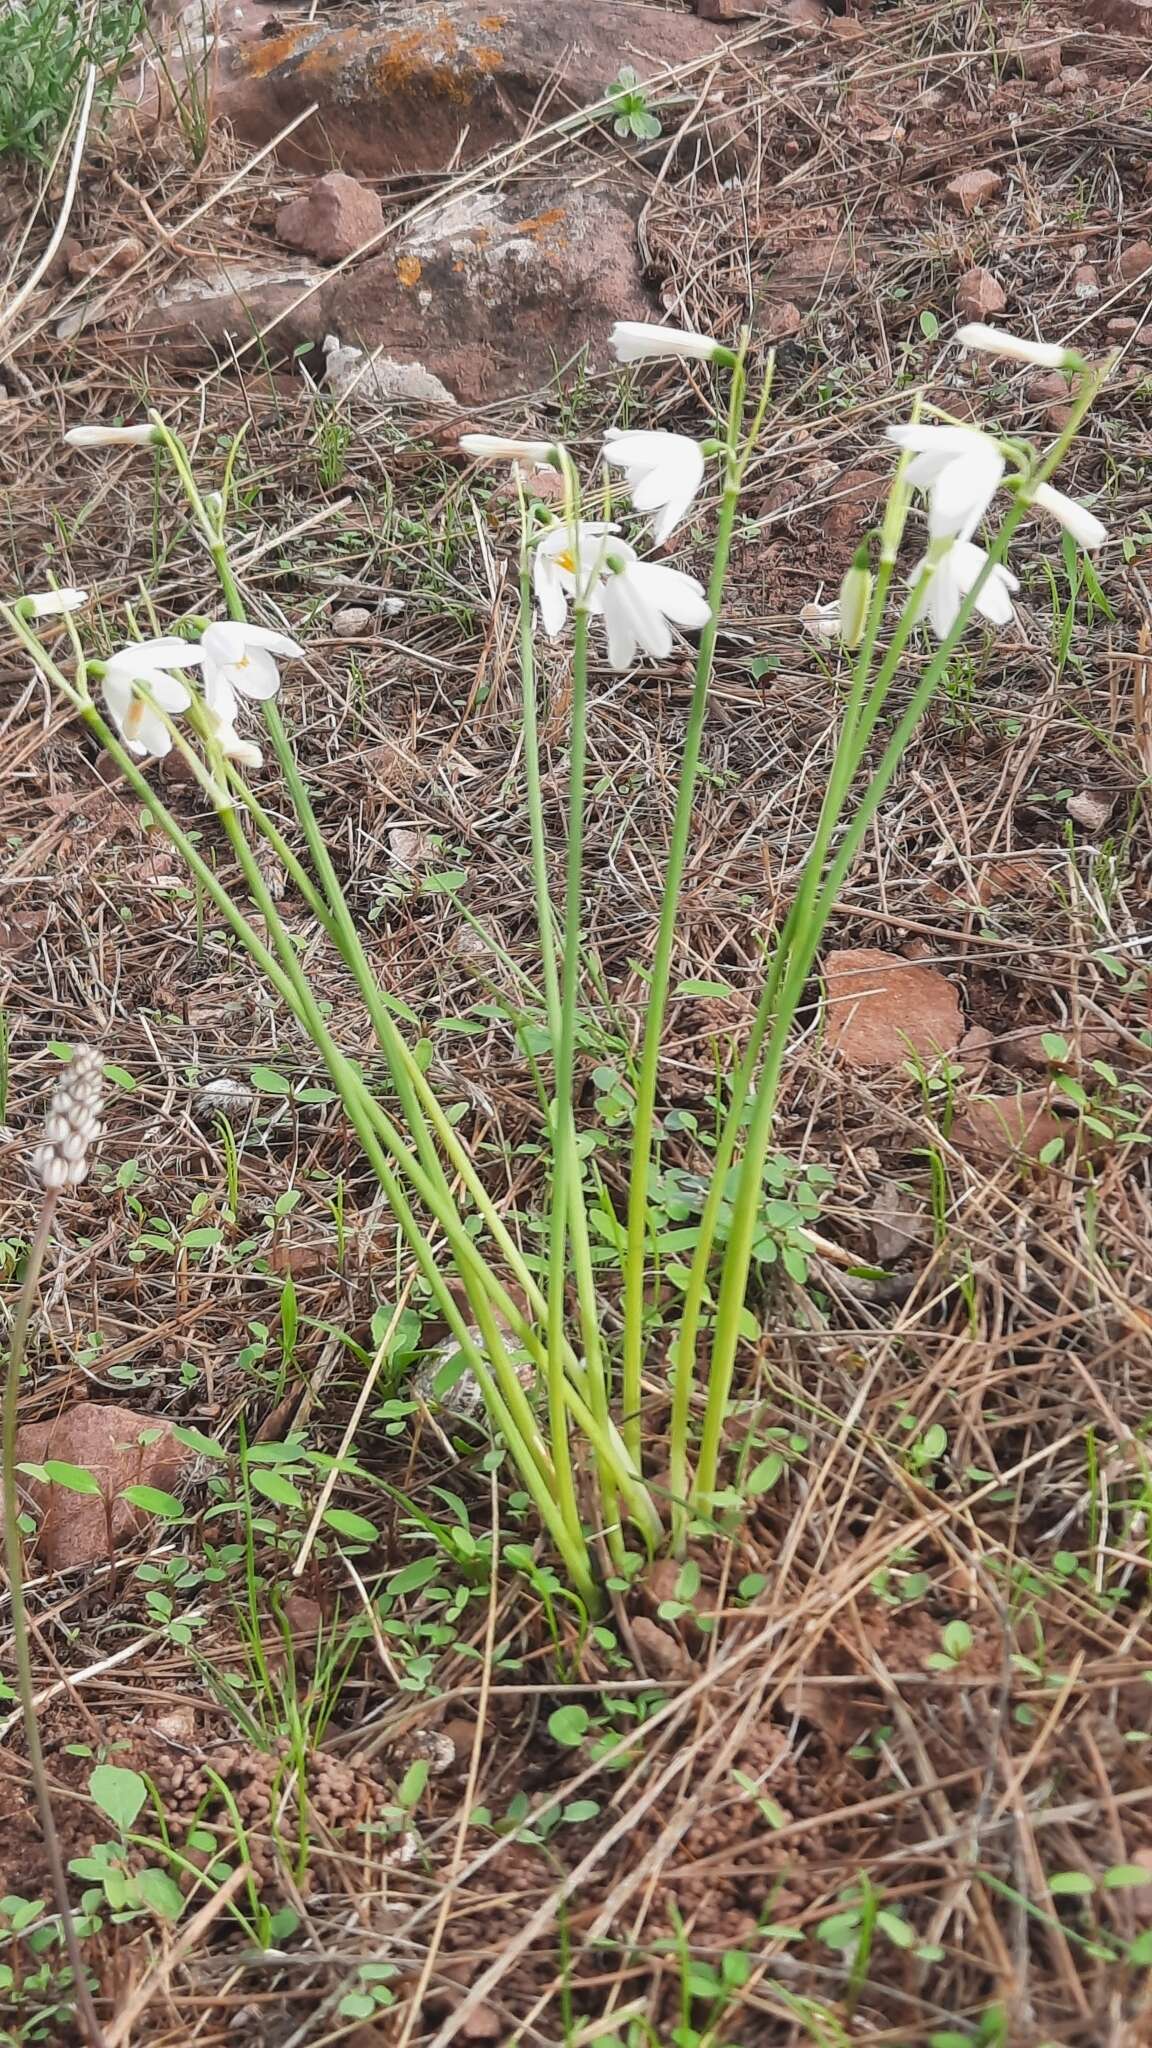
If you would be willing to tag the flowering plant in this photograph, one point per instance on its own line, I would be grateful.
(593, 579)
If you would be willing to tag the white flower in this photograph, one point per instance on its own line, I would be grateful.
(147, 663)
(959, 467)
(951, 580)
(1086, 530)
(243, 752)
(562, 554)
(822, 619)
(663, 473)
(993, 340)
(111, 437)
(638, 599)
(494, 448)
(238, 660)
(48, 604)
(635, 341)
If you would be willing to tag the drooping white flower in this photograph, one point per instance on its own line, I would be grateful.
(243, 752)
(1050, 355)
(50, 604)
(569, 561)
(960, 469)
(1086, 530)
(239, 661)
(640, 602)
(663, 473)
(147, 663)
(495, 448)
(111, 437)
(637, 341)
(953, 577)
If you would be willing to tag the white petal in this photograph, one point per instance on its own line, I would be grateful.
(681, 598)
(1086, 530)
(48, 604)
(549, 595)
(273, 643)
(623, 627)
(1049, 354)
(964, 490)
(496, 448)
(635, 340)
(110, 437)
(219, 695)
(167, 652)
(224, 642)
(256, 675)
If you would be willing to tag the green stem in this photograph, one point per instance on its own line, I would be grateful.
(820, 895)
(644, 1115)
(21, 1645)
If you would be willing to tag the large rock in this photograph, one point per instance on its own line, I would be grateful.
(118, 1447)
(1131, 17)
(489, 294)
(444, 80)
(882, 1011)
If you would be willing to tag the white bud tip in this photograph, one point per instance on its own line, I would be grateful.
(634, 341)
(993, 341)
(111, 437)
(50, 604)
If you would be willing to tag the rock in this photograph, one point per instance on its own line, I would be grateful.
(855, 495)
(333, 219)
(979, 295)
(1039, 61)
(897, 1221)
(1134, 261)
(450, 81)
(1089, 810)
(354, 378)
(225, 1096)
(1026, 1048)
(781, 322)
(881, 1010)
(1121, 329)
(972, 189)
(1007, 1126)
(1086, 281)
(110, 259)
(1131, 17)
(812, 269)
(480, 301)
(664, 1654)
(120, 1447)
(975, 1048)
(494, 288)
(806, 14)
(1051, 389)
(351, 622)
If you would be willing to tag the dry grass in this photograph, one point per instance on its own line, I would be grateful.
(964, 1413)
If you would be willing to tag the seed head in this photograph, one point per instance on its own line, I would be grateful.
(72, 1127)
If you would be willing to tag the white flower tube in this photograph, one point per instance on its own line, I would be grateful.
(638, 341)
(495, 448)
(641, 601)
(1086, 530)
(111, 437)
(1048, 355)
(50, 604)
(953, 577)
(663, 473)
(959, 468)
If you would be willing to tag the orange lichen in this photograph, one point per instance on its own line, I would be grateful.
(539, 223)
(492, 22)
(259, 58)
(486, 59)
(421, 59)
(409, 270)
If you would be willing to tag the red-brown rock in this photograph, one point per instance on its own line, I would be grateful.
(120, 1447)
(1131, 17)
(450, 82)
(1086, 281)
(855, 496)
(812, 270)
(1134, 261)
(882, 1010)
(806, 14)
(335, 218)
(979, 295)
(1031, 58)
(1011, 1126)
(972, 189)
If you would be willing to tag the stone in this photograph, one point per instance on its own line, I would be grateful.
(351, 622)
(448, 82)
(1122, 328)
(1131, 17)
(1134, 261)
(1038, 61)
(333, 219)
(1086, 281)
(979, 295)
(855, 496)
(120, 1447)
(1087, 809)
(480, 301)
(107, 259)
(808, 272)
(1011, 1126)
(973, 189)
(881, 1011)
(781, 322)
(806, 14)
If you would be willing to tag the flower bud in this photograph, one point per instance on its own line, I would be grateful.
(855, 598)
(111, 437)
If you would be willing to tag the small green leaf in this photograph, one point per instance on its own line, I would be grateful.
(275, 1487)
(358, 1527)
(412, 1576)
(934, 1441)
(152, 1501)
(568, 1725)
(268, 1081)
(929, 325)
(119, 1076)
(161, 1892)
(957, 1639)
(74, 1477)
(1124, 1877)
(118, 1793)
(1071, 1884)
